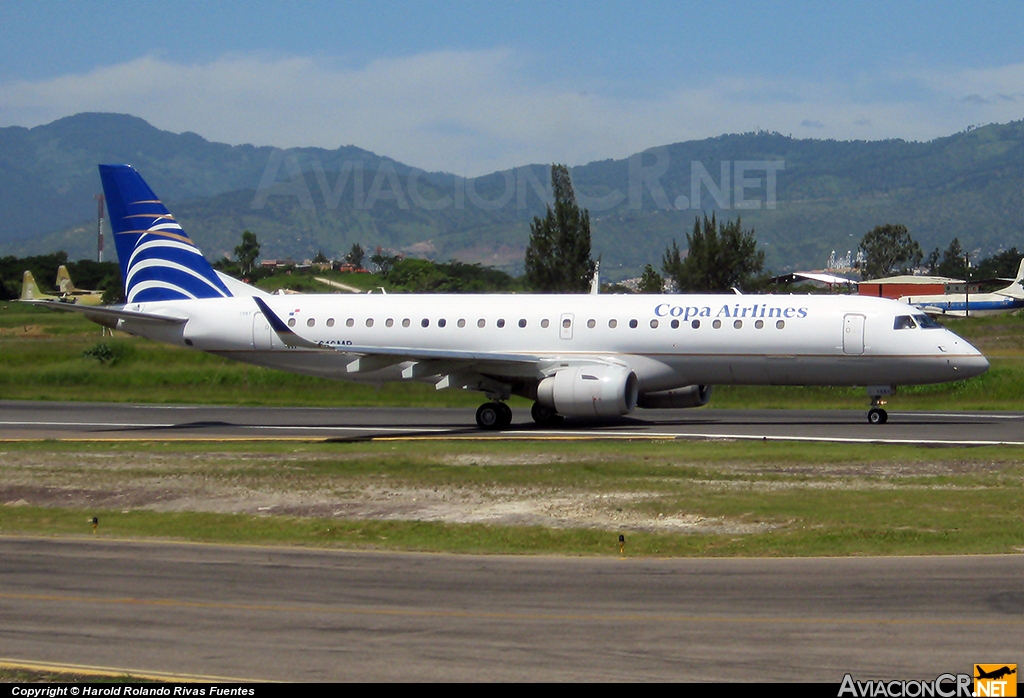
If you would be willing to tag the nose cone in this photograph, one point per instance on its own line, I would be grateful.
(968, 361)
(971, 365)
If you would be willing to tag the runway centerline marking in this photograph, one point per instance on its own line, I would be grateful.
(491, 615)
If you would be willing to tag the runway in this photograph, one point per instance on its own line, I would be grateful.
(308, 615)
(94, 421)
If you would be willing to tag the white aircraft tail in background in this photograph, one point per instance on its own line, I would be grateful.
(1005, 300)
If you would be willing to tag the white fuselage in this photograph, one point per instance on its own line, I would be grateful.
(749, 339)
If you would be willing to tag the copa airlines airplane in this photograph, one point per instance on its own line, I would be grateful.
(574, 355)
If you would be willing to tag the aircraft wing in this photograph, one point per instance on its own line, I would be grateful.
(98, 313)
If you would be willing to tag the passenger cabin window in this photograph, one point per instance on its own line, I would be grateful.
(405, 322)
(591, 324)
(716, 324)
(330, 322)
(675, 324)
(759, 324)
(695, 324)
(780, 325)
(481, 322)
(442, 322)
(633, 324)
(424, 322)
(904, 322)
(291, 322)
(310, 322)
(390, 322)
(737, 324)
(566, 323)
(545, 323)
(613, 324)
(350, 322)
(369, 322)
(501, 322)
(654, 324)
(461, 322)
(522, 322)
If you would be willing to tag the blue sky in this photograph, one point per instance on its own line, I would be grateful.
(470, 87)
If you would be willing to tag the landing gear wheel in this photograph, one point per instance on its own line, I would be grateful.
(544, 415)
(493, 416)
(876, 415)
(506, 415)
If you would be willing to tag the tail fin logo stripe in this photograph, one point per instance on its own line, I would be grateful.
(161, 286)
(151, 244)
(164, 264)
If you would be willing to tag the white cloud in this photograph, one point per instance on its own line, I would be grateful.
(474, 112)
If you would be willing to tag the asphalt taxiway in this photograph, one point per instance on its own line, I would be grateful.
(309, 615)
(94, 421)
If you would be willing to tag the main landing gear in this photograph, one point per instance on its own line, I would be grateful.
(494, 416)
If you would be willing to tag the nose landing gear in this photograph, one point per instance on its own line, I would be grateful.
(877, 415)
(494, 416)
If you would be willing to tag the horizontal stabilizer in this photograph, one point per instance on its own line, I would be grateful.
(99, 313)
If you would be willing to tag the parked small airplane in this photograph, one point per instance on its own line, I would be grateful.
(67, 292)
(30, 289)
(1005, 300)
(581, 355)
(77, 295)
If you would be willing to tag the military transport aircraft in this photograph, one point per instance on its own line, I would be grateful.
(573, 355)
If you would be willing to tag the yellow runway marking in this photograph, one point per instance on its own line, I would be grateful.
(489, 615)
(87, 670)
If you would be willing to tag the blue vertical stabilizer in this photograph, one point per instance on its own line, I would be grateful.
(158, 260)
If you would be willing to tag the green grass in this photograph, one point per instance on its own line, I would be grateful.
(758, 499)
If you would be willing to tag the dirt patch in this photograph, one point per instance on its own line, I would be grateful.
(273, 485)
(24, 331)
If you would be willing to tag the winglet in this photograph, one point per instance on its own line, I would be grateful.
(283, 331)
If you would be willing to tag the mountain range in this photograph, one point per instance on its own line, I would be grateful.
(803, 197)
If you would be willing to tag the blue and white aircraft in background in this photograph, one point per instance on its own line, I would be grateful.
(573, 355)
(1005, 300)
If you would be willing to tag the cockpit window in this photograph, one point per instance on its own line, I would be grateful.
(904, 322)
(927, 323)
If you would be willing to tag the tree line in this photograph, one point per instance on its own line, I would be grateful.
(718, 256)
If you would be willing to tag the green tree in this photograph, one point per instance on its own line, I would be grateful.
(888, 250)
(247, 253)
(320, 258)
(719, 256)
(954, 261)
(650, 281)
(355, 255)
(384, 262)
(558, 256)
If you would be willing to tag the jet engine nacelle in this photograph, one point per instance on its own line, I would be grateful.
(590, 391)
(689, 396)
